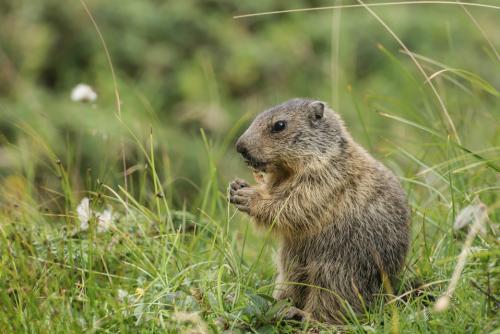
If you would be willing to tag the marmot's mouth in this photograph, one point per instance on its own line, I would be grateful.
(256, 164)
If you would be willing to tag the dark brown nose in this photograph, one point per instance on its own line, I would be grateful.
(241, 148)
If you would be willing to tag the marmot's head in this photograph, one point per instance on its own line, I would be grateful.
(293, 135)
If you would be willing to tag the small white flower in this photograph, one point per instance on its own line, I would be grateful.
(84, 213)
(104, 220)
(469, 214)
(122, 294)
(83, 93)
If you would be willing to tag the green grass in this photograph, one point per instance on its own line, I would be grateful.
(179, 258)
(210, 261)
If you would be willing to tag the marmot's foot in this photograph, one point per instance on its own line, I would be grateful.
(294, 313)
(240, 194)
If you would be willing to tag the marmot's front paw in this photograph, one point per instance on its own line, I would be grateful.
(241, 194)
(238, 184)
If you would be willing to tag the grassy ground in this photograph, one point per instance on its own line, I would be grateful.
(179, 259)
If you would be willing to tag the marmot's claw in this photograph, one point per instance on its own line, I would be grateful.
(240, 194)
(239, 200)
(238, 184)
(234, 187)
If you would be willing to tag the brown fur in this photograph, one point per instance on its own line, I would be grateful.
(341, 217)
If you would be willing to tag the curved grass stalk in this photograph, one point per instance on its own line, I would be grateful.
(380, 4)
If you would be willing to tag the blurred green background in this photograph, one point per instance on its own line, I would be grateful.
(186, 65)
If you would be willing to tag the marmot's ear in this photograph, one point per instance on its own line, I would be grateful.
(316, 111)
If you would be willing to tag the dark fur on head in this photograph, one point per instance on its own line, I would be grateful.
(341, 216)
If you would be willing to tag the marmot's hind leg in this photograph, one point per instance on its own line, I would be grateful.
(326, 306)
(287, 288)
(291, 282)
(294, 313)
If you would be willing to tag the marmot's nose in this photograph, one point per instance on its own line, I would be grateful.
(241, 148)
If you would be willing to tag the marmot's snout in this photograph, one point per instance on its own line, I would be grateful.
(241, 148)
(250, 159)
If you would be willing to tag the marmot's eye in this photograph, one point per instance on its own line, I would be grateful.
(279, 126)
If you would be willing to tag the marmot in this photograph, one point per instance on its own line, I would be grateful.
(341, 217)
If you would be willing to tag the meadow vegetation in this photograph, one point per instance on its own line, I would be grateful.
(157, 247)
